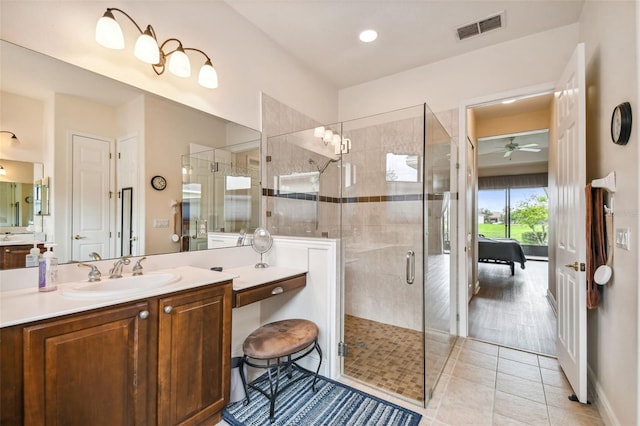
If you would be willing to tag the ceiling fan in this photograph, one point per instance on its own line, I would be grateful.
(511, 147)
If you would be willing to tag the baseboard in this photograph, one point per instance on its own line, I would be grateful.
(600, 399)
(552, 302)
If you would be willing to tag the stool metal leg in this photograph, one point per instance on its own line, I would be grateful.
(244, 381)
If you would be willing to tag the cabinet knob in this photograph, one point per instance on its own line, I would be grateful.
(144, 314)
(168, 309)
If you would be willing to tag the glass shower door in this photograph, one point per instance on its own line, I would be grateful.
(383, 229)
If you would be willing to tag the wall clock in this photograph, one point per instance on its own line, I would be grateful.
(621, 124)
(158, 183)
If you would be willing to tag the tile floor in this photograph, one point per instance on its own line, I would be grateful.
(385, 356)
(485, 384)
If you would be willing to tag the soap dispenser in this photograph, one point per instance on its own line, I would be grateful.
(33, 258)
(48, 270)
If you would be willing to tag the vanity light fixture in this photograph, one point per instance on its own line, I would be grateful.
(14, 138)
(3, 172)
(147, 49)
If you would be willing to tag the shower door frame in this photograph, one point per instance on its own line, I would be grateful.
(389, 199)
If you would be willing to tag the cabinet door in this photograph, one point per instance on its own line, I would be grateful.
(88, 369)
(194, 353)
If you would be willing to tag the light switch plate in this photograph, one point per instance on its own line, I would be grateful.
(161, 223)
(623, 238)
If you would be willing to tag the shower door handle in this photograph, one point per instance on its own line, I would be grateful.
(411, 266)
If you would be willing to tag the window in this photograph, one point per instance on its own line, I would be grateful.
(518, 213)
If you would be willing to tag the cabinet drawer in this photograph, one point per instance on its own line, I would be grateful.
(264, 291)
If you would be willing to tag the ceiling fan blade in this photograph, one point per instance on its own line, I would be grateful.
(508, 154)
(529, 145)
(530, 149)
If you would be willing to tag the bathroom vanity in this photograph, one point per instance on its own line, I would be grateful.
(13, 255)
(151, 359)
(161, 355)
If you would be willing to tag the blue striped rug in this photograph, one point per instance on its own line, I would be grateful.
(333, 404)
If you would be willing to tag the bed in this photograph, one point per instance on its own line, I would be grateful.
(501, 250)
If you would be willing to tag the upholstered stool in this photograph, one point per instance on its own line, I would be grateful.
(276, 347)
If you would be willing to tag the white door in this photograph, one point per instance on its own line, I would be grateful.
(91, 198)
(570, 246)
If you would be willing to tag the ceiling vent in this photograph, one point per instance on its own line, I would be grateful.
(480, 27)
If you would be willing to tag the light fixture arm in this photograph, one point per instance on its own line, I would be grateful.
(13, 135)
(109, 9)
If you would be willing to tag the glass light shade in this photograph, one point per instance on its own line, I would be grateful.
(179, 63)
(208, 77)
(108, 32)
(328, 136)
(3, 172)
(336, 140)
(318, 132)
(147, 49)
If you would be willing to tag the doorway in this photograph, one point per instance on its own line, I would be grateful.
(510, 303)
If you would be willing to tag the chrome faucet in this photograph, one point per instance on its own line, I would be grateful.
(116, 270)
(94, 273)
(95, 256)
(137, 268)
(241, 238)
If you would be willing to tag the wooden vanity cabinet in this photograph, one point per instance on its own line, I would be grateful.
(15, 256)
(194, 352)
(163, 360)
(88, 369)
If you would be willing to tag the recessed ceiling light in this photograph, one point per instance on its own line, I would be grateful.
(367, 36)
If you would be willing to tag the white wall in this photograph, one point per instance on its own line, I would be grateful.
(247, 62)
(527, 61)
(609, 32)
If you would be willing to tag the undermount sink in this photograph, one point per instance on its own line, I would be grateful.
(120, 286)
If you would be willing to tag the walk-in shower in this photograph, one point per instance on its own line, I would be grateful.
(388, 202)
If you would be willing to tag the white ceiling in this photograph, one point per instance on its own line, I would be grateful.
(323, 35)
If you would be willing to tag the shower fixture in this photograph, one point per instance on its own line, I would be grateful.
(324, 167)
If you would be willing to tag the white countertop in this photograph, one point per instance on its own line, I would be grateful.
(27, 305)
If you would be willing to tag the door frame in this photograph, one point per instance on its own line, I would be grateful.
(462, 245)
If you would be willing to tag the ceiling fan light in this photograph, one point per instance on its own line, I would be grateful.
(3, 171)
(179, 64)
(147, 49)
(108, 32)
(208, 77)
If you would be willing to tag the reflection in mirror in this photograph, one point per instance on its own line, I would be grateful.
(61, 111)
(126, 218)
(221, 194)
(20, 205)
(41, 197)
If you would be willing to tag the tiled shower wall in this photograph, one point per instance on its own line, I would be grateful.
(283, 128)
(380, 220)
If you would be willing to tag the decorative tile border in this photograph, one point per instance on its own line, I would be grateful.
(267, 192)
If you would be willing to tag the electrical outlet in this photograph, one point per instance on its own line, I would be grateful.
(623, 238)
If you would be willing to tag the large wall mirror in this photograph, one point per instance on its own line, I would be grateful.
(101, 142)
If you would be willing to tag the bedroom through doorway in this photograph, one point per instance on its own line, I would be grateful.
(510, 304)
